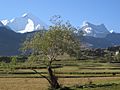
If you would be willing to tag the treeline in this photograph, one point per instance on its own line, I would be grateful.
(110, 54)
(8, 59)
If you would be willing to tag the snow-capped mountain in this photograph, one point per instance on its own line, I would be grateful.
(95, 36)
(26, 23)
(5, 22)
(1, 24)
(99, 31)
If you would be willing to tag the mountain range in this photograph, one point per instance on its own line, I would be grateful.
(98, 31)
(13, 32)
(98, 36)
(25, 23)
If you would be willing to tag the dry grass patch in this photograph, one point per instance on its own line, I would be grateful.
(95, 80)
(23, 84)
(42, 84)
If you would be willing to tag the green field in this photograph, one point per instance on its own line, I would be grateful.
(71, 73)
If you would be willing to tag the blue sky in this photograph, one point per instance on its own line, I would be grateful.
(76, 11)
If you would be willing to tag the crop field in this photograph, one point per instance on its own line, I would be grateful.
(41, 84)
(71, 73)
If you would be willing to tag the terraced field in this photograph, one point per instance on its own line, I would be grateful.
(69, 72)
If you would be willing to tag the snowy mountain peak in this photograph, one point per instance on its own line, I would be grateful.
(29, 27)
(1, 24)
(25, 14)
(25, 23)
(85, 23)
(5, 21)
(111, 31)
(99, 31)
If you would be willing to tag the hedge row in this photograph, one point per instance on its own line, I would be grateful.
(20, 72)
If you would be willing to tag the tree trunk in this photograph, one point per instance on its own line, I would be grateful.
(53, 79)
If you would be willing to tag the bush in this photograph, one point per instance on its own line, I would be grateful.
(5, 59)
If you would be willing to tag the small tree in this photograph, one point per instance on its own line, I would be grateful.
(59, 39)
(13, 63)
(108, 57)
(117, 57)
